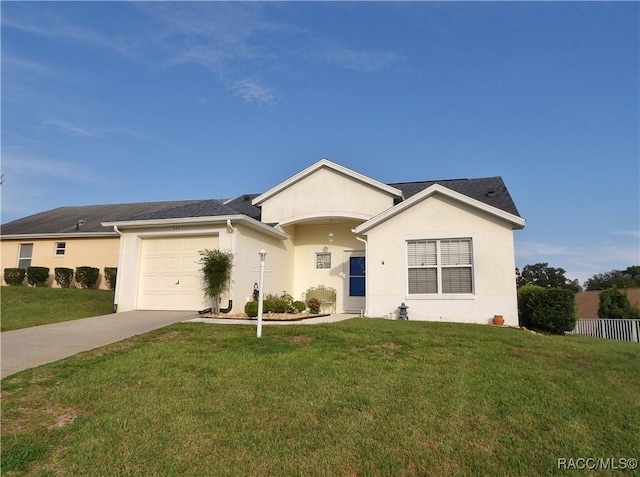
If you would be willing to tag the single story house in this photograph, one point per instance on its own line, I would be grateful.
(443, 248)
(70, 237)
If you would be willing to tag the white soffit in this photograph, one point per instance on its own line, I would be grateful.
(330, 165)
(517, 222)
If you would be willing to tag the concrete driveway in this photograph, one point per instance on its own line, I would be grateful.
(31, 347)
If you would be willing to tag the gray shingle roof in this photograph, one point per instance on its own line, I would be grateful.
(203, 208)
(490, 190)
(64, 220)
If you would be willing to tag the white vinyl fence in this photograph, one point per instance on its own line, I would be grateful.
(625, 330)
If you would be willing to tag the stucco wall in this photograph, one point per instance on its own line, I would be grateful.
(310, 239)
(79, 251)
(325, 193)
(438, 217)
(278, 275)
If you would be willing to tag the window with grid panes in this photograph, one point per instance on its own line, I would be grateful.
(323, 260)
(442, 266)
(61, 248)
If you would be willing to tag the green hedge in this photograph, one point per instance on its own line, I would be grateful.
(38, 276)
(14, 276)
(110, 275)
(87, 277)
(547, 309)
(63, 276)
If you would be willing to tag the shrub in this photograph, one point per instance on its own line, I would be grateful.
(615, 304)
(63, 276)
(110, 275)
(251, 309)
(526, 298)
(38, 276)
(554, 310)
(314, 305)
(273, 304)
(14, 276)
(87, 277)
(299, 306)
(287, 301)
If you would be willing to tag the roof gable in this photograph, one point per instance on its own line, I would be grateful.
(489, 190)
(326, 163)
(515, 220)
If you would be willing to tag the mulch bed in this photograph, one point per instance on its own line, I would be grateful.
(266, 316)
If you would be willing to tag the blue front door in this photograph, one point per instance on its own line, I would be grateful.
(356, 276)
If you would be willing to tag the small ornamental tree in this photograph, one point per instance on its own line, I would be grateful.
(216, 266)
(615, 304)
(63, 276)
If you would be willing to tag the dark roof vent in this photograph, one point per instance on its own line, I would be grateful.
(491, 193)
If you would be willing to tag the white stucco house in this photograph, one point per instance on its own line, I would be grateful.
(444, 248)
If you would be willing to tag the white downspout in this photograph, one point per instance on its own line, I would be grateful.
(116, 297)
(366, 279)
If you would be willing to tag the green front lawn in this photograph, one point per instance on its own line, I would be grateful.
(360, 397)
(22, 307)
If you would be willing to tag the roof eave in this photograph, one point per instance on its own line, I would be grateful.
(219, 219)
(108, 233)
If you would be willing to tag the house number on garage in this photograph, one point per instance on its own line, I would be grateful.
(176, 228)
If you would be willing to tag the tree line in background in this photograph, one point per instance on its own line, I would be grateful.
(543, 275)
(535, 283)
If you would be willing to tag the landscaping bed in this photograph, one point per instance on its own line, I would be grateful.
(266, 316)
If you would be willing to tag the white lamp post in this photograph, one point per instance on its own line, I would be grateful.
(262, 254)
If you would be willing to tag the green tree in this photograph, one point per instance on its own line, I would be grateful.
(628, 278)
(542, 275)
(216, 266)
(615, 304)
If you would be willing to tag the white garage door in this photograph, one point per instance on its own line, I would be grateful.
(170, 276)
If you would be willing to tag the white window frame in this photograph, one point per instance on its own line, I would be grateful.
(23, 258)
(320, 262)
(60, 251)
(439, 266)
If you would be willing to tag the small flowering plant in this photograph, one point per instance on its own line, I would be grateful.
(314, 305)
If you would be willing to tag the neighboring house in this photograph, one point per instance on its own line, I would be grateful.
(588, 302)
(444, 248)
(70, 237)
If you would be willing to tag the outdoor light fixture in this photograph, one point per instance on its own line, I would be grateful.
(330, 237)
(262, 254)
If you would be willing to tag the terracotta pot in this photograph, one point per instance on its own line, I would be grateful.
(498, 320)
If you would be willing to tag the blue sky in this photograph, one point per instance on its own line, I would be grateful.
(130, 102)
